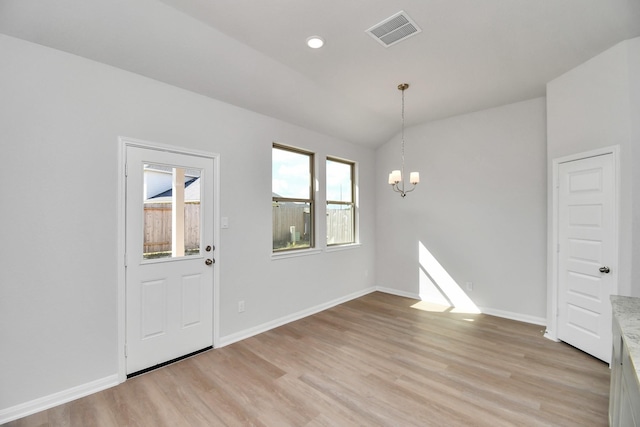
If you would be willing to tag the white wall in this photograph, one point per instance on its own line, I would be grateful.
(596, 105)
(61, 116)
(633, 47)
(479, 210)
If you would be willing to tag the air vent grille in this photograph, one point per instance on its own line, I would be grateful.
(394, 29)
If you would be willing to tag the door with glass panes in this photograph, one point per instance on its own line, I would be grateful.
(169, 256)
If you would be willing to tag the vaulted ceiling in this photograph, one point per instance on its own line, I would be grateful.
(470, 54)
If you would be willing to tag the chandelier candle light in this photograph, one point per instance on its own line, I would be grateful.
(395, 177)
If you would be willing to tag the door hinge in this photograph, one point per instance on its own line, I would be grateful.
(126, 352)
(558, 248)
(125, 260)
(126, 169)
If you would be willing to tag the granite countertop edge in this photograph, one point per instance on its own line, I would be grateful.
(626, 310)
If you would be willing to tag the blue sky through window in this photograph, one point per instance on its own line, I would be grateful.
(290, 174)
(338, 181)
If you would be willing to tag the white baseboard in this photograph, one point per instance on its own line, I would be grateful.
(247, 333)
(397, 292)
(550, 335)
(515, 316)
(486, 310)
(55, 399)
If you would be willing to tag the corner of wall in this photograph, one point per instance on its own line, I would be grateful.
(55, 399)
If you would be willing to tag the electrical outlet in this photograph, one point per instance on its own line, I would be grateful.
(469, 286)
(240, 306)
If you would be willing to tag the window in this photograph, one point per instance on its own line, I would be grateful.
(340, 202)
(171, 221)
(292, 193)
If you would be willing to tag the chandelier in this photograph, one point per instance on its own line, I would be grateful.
(396, 177)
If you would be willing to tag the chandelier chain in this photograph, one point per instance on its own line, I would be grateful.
(402, 138)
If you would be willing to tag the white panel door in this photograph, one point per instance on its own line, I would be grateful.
(587, 263)
(169, 253)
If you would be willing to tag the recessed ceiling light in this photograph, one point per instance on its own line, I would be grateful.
(315, 42)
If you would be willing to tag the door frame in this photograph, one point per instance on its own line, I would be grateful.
(123, 143)
(553, 289)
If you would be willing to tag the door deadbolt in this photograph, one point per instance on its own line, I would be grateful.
(209, 248)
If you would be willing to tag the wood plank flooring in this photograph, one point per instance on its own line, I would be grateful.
(374, 361)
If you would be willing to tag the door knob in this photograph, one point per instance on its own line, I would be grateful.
(209, 261)
(604, 269)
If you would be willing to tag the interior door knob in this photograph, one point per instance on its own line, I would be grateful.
(604, 269)
(209, 261)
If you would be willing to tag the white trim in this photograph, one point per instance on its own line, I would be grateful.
(398, 293)
(166, 147)
(552, 288)
(248, 333)
(614, 149)
(295, 253)
(217, 231)
(514, 316)
(485, 310)
(55, 399)
(124, 142)
(338, 248)
(356, 202)
(121, 271)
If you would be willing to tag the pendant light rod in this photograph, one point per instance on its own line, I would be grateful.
(396, 177)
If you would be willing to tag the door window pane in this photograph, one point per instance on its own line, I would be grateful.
(171, 211)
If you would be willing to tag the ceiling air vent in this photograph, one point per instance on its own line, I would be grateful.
(394, 29)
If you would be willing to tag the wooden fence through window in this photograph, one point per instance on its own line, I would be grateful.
(339, 224)
(157, 227)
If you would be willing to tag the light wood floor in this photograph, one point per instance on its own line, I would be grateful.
(374, 361)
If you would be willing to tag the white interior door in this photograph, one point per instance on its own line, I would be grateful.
(587, 260)
(169, 256)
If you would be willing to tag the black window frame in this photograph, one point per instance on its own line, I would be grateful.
(277, 200)
(352, 203)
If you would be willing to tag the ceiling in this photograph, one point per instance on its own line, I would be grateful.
(470, 55)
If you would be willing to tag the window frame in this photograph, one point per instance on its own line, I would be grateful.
(310, 201)
(352, 203)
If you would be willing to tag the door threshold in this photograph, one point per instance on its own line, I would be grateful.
(169, 362)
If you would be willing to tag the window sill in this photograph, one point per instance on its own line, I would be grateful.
(295, 253)
(314, 251)
(346, 247)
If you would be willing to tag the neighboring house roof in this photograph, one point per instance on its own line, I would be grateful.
(191, 193)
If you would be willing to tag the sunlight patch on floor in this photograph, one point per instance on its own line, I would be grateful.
(439, 288)
(432, 307)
